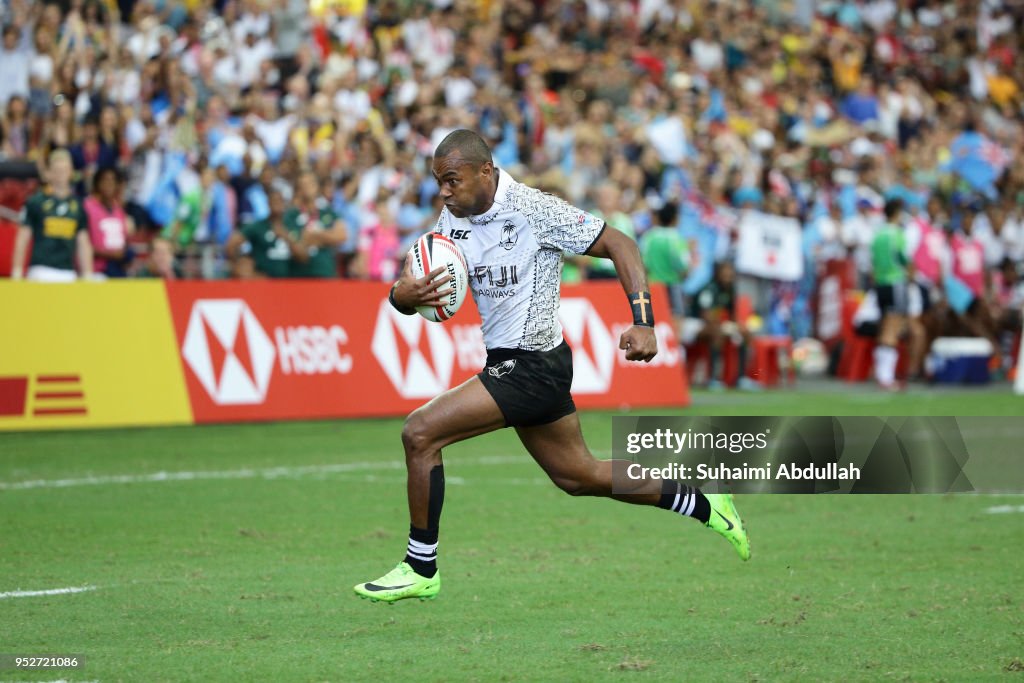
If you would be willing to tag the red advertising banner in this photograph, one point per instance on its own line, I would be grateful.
(270, 350)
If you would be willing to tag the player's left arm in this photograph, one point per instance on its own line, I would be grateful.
(638, 341)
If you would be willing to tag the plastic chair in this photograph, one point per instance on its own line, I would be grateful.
(772, 356)
(700, 353)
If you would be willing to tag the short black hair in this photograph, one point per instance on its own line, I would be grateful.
(667, 214)
(893, 207)
(468, 144)
(104, 171)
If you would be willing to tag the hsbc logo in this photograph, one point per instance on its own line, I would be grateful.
(233, 357)
(417, 356)
(593, 347)
(229, 351)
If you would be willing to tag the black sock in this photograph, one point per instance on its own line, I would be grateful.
(685, 500)
(421, 553)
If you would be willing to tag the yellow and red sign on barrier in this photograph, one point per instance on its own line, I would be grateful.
(137, 353)
(88, 354)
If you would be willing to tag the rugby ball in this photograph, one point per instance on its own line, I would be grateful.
(432, 251)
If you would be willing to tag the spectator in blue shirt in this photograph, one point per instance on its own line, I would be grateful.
(861, 106)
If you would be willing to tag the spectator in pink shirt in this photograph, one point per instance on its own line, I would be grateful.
(377, 257)
(969, 256)
(969, 268)
(109, 225)
(931, 248)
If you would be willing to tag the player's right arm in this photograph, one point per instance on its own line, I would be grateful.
(638, 341)
(410, 292)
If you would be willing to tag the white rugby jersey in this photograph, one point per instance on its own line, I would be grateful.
(514, 253)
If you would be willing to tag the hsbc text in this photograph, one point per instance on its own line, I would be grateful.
(312, 350)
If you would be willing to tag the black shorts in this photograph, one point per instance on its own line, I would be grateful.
(530, 387)
(892, 298)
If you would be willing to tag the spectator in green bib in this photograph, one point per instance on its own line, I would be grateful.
(53, 219)
(267, 248)
(193, 210)
(889, 271)
(191, 222)
(319, 229)
(667, 256)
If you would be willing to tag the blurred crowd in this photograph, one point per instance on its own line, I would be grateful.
(291, 138)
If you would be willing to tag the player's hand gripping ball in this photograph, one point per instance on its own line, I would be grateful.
(430, 252)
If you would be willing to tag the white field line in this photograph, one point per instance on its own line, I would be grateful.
(1004, 509)
(249, 473)
(449, 480)
(51, 591)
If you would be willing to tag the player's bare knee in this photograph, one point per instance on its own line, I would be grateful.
(417, 438)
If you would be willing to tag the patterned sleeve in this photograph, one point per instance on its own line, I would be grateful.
(560, 225)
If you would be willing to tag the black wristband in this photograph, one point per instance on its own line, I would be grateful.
(391, 300)
(643, 314)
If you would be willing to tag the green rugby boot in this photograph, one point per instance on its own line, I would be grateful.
(726, 521)
(401, 583)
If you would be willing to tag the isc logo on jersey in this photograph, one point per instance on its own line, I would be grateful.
(232, 356)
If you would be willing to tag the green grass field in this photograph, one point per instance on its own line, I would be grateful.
(236, 564)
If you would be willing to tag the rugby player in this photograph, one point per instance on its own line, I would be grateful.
(513, 237)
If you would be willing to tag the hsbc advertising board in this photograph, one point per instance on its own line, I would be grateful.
(311, 349)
